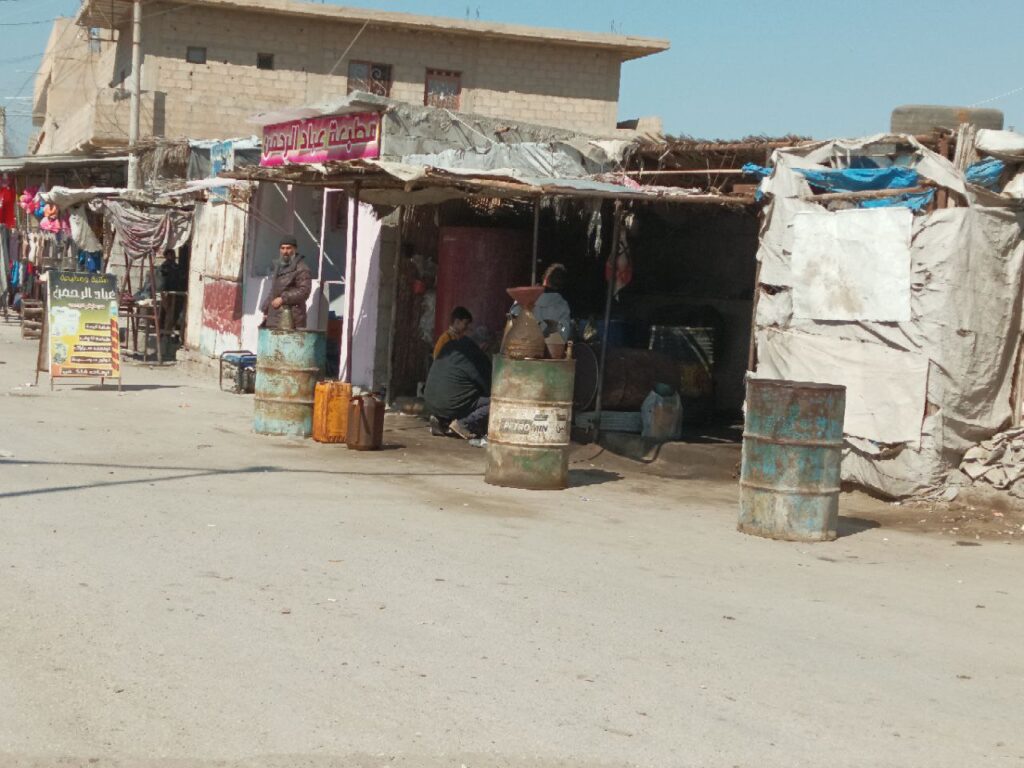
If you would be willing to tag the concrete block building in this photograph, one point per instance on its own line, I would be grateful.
(208, 65)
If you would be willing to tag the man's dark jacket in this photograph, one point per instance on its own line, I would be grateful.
(293, 283)
(460, 375)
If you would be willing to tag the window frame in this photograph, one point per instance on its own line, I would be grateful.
(438, 73)
(189, 50)
(370, 66)
(262, 58)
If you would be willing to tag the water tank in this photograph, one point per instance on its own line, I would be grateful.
(475, 266)
(925, 118)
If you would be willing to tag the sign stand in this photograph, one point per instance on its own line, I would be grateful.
(80, 331)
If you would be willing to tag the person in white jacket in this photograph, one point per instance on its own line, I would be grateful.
(551, 309)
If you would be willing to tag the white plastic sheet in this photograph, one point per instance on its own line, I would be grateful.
(852, 265)
(966, 269)
(1005, 145)
(885, 388)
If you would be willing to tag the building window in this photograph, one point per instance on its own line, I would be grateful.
(264, 61)
(443, 89)
(368, 77)
(195, 55)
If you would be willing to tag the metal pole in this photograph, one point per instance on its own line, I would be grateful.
(322, 304)
(607, 316)
(350, 282)
(536, 240)
(390, 394)
(136, 85)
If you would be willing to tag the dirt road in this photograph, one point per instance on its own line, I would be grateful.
(179, 592)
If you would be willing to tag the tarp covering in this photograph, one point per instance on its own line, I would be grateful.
(986, 173)
(144, 233)
(63, 197)
(1005, 145)
(852, 265)
(753, 169)
(861, 179)
(964, 282)
(914, 202)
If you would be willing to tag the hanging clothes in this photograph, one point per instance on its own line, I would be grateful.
(8, 203)
(5, 257)
(83, 235)
(143, 234)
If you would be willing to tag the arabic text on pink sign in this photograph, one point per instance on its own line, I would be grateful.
(316, 139)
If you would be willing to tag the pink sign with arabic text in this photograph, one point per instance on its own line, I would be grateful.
(316, 139)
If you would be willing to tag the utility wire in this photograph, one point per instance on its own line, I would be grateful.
(26, 23)
(997, 98)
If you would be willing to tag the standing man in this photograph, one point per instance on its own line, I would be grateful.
(290, 287)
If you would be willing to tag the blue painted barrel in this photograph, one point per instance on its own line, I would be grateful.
(792, 455)
(288, 366)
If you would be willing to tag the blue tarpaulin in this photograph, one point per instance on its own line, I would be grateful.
(753, 169)
(861, 179)
(913, 202)
(986, 173)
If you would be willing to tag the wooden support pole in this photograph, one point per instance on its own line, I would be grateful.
(157, 300)
(392, 330)
(614, 254)
(536, 240)
(752, 353)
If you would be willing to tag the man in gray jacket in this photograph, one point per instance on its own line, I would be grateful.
(290, 287)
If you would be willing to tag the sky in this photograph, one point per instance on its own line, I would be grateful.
(819, 68)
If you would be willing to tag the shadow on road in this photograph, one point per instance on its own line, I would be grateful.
(579, 478)
(130, 387)
(851, 526)
(187, 473)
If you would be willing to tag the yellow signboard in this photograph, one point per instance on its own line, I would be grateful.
(82, 326)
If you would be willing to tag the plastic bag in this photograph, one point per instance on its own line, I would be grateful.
(662, 414)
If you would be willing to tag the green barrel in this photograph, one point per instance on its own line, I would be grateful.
(792, 456)
(288, 366)
(530, 423)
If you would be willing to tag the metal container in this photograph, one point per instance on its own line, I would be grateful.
(530, 423)
(792, 453)
(365, 423)
(474, 267)
(693, 348)
(288, 366)
(330, 411)
(630, 374)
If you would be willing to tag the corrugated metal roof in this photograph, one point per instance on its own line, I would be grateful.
(41, 162)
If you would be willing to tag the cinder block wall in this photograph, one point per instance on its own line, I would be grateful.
(560, 85)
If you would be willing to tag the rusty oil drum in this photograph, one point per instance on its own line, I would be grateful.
(792, 455)
(530, 423)
(288, 366)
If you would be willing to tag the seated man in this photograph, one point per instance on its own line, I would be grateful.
(461, 320)
(458, 387)
(168, 277)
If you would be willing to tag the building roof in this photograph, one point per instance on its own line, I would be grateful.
(115, 14)
(58, 162)
(390, 183)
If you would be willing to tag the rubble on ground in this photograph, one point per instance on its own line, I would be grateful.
(997, 463)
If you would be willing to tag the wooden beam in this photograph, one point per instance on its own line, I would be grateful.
(708, 172)
(870, 194)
